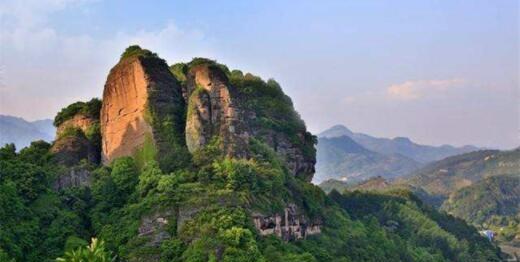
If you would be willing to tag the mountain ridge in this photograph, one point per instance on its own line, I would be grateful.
(401, 145)
(21, 132)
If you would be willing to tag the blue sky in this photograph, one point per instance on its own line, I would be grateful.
(435, 71)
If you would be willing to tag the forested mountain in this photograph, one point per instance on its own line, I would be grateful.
(21, 132)
(453, 173)
(481, 187)
(196, 162)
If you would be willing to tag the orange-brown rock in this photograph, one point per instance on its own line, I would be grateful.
(80, 121)
(72, 144)
(142, 111)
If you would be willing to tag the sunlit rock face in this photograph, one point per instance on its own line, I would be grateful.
(142, 110)
(125, 97)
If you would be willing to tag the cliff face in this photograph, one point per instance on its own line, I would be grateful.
(77, 143)
(226, 109)
(76, 140)
(146, 113)
(142, 111)
(213, 112)
(80, 121)
(292, 225)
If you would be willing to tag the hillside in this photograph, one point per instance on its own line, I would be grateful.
(480, 202)
(451, 174)
(196, 162)
(399, 145)
(343, 158)
(21, 132)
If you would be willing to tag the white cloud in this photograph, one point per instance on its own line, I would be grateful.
(415, 89)
(45, 69)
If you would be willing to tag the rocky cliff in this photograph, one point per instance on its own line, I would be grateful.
(147, 113)
(213, 111)
(236, 109)
(77, 134)
(143, 111)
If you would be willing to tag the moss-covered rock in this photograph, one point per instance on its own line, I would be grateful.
(143, 112)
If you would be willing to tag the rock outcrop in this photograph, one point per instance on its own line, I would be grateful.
(81, 121)
(143, 111)
(219, 110)
(77, 139)
(213, 112)
(291, 225)
(75, 177)
(71, 150)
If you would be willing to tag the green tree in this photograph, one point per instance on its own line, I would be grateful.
(95, 252)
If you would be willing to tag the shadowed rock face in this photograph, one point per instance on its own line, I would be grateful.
(69, 149)
(216, 109)
(142, 103)
(212, 111)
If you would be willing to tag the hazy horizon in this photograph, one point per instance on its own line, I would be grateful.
(436, 72)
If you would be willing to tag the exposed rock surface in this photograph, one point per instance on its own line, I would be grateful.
(298, 163)
(212, 111)
(217, 109)
(75, 177)
(80, 121)
(142, 104)
(292, 225)
(72, 145)
(70, 150)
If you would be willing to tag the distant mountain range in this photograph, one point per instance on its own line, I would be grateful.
(342, 158)
(22, 132)
(348, 156)
(399, 145)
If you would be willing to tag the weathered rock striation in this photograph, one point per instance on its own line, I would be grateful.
(213, 112)
(291, 225)
(219, 110)
(142, 114)
(77, 145)
(146, 113)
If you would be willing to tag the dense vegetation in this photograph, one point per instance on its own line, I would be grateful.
(40, 223)
(453, 173)
(492, 203)
(135, 51)
(404, 215)
(89, 109)
(481, 187)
